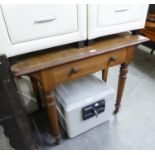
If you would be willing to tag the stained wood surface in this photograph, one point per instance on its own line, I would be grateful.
(64, 54)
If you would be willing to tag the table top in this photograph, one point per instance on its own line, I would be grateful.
(68, 53)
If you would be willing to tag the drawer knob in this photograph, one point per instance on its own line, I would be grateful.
(113, 58)
(73, 70)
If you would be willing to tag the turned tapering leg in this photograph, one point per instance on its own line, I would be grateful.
(121, 84)
(105, 74)
(52, 112)
(47, 86)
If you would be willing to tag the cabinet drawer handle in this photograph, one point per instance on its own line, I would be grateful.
(121, 10)
(113, 58)
(73, 70)
(45, 20)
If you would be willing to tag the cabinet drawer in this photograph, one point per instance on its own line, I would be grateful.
(76, 69)
(31, 22)
(111, 19)
(118, 14)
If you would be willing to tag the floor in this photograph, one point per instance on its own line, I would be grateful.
(4, 141)
(134, 126)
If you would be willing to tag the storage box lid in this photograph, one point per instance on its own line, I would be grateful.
(84, 90)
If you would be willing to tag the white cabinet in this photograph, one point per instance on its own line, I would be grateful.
(110, 19)
(27, 28)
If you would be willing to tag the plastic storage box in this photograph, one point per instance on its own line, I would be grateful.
(84, 103)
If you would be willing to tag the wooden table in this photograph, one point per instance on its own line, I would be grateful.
(54, 66)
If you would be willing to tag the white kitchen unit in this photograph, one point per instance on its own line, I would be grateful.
(28, 28)
(83, 104)
(110, 19)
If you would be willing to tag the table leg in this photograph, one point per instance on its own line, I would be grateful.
(48, 86)
(121, 84)
(105, 74)
(52, 112)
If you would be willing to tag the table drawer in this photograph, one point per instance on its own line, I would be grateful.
(82, 67)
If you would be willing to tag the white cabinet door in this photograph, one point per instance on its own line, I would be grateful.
(28, 22)
(110, 19)
(34, 27)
